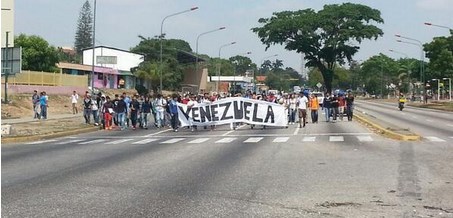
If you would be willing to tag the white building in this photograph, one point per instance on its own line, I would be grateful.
(118, 59)
(7, 22)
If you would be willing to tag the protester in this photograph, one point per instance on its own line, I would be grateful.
(87, 104)
(94, 110)
(326, 106)
(349, 106)
(341, 106)
(314, 106)
(160, 110)
(302, 103)
(107, 110)
(121, 109)
(146, 112)
(334, 107)
(74, 101)
(173, 106)
(134, 107)
(43, 102)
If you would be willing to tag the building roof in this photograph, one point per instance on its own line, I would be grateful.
(112, 48)
(261, 78)
(83, 67)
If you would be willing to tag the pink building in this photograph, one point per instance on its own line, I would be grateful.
(104, 77)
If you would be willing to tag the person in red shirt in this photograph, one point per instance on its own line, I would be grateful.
(341, 105)
(186, 99)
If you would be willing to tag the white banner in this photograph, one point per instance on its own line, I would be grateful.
(235, 109)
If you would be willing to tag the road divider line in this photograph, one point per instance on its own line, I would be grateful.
(171, 141)
(41, 142)
(309, 139)
(157, 133)
(92, 141)
(336, 138)
(365, 138)
(296, 131)
(434, 139)
(388, 132)
(253, 139)
(226, 140)
(198, 141)
(281, 139)
(144, 141)
(69, 142)
(118, 141)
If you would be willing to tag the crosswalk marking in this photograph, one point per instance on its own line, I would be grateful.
(434, 139)
(336, 138)
(92, 141)
(118, 141)
(198, 141)
(365, 138)
(281, 139)
(70, 141)
(225, 140)
(253, 139)
(309, 139)
(144, 141)
(41, 142)
(172, 141)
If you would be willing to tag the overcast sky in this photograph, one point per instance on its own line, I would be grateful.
(119, 22)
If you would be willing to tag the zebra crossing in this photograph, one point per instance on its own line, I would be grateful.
(207, 139)
(227, 139)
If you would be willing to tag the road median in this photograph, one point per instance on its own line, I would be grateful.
(386, 129)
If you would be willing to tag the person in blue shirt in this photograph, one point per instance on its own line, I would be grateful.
(44, 104)
(173, 106)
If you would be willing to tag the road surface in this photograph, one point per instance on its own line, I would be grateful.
(324, 170)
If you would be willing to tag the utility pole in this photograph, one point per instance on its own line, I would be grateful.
(6, 68)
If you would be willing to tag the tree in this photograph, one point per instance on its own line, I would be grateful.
(37, 54)
(378, 73)
(440, 54)
(241, 64)
(84, 33)
(172, 64)
(327, 37)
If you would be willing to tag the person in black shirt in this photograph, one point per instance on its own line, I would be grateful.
(134, 107)
(334, 108)
(114, 104)
(326, 105)
(349, 106)
(87, 108)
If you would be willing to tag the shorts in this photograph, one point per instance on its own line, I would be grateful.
(302, 113)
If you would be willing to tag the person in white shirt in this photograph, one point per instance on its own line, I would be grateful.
(74, 101)
(302, 103)
(161, 103)
(192, 102)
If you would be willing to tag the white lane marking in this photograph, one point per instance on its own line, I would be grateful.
(144, 141)
(336, 138)
(231, 131)
(40, 142)
(309, 139)
(70, 141)
(118, 141)
(296, 131)
(225, 140)
(281, 139)
(414, 117)
(253, 139)
(434, 139)
(450, 125)
(365, 138)
(92, 141)
(172, 141)
(197, 141)
(429, 121)
(157, 133)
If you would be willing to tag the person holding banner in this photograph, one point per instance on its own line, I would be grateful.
(173, 107)
(302, 103)
(192, 102)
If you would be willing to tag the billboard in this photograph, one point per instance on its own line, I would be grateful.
(106, 60)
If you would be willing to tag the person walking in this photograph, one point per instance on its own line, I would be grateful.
(121, 109)
(173, 107)
(87, 104)
(302, 103)
(43, 102)
(341, 106)
(326, 105)
(334, 107)
(161, 103)
(134, 109)
(314, 106)
(146, 112)
(107, 110)
(74, 102)
(95, 110)
(349, 106)
(35, 105)
(292, 108)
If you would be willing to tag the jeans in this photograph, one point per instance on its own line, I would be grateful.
(314, 116)
(160, 118)
(349, 111)
(87, 115)
(327, 113)
(145, 119)
(334, 113)
(292, 115)
(36, 113)
(44, 111)
(95, 116)
(121, 117)
(134, 117)
(174, 121)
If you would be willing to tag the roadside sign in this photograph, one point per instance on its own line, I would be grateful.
(319, 85)
(106, 60)
(11, 60)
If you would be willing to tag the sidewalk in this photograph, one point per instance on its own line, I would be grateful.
(51, 117)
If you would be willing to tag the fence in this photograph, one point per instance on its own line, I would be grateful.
(47, 79)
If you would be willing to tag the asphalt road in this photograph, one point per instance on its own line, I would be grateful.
(324, 170)
(432, 125)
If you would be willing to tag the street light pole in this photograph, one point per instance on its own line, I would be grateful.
(94, 53)
(438, 88)
(196, 50)
(422, 55)
(161, 36)
(444, 27)
(449, 86)
(219, 65)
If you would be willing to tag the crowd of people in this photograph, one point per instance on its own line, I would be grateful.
(145, 111)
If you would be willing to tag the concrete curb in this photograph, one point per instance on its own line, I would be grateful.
(19, 139)
(389, 133)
